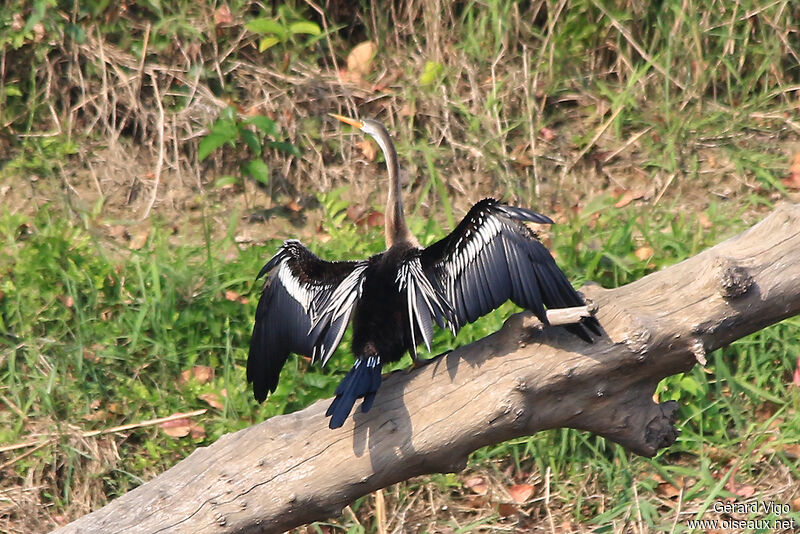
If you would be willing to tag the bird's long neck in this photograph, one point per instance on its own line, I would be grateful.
(396, 228)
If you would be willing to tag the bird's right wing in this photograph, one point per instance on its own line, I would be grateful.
(491, 257)
(304, 308)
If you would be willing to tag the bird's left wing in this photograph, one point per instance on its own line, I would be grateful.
(492, 257)
(304, 308)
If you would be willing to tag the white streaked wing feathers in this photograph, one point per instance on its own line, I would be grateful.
(336, 313)
(424, 303)
(325, 305)
(493, 258)
(302, 293)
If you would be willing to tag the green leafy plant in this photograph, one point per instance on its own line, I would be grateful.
(287, 28)
(255, 131)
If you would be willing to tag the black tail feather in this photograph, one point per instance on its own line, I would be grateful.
(362, 381)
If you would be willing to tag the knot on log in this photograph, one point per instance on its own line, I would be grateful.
(631, 418)
(699, 351)
(660, 431)
(734, 280)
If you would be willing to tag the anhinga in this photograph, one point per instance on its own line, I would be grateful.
(395, 297)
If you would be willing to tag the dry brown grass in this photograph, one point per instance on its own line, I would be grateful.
(506, 123)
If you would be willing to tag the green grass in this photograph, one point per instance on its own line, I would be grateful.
(724, 80)
(96, 336)
(525, 101)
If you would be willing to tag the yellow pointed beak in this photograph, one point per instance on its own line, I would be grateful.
(347, 120)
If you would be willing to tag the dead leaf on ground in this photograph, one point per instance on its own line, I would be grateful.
(643, 253)
(118, 232)
(375, 219)
(38, 32)
(355, 212)
(793, 180)
(792, 451)
(18, 22)
(704, 221)
(222, 15)
(796, 504)
(477, 502)
(212, 399)
(201, 373)
(794, 168)
(233, 296)
(521, 492)
(506, 509)
(521, 155)
(744, 491)
(90, 355)
(368, 149)
(666, 489)
(139, 239)
(359, 60)
(548, 134)
(627, 197)
(177, 428)
(477, 485)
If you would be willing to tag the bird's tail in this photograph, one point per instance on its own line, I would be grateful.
(363, 380)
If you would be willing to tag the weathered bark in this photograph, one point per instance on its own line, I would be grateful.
(292, 469)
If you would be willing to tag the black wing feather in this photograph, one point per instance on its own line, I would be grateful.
(491, 257)
(292, 314)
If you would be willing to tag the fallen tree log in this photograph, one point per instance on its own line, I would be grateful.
(292, 469)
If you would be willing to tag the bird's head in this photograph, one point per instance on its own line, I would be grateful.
(372, 128)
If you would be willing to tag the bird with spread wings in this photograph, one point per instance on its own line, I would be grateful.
(394, 298)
